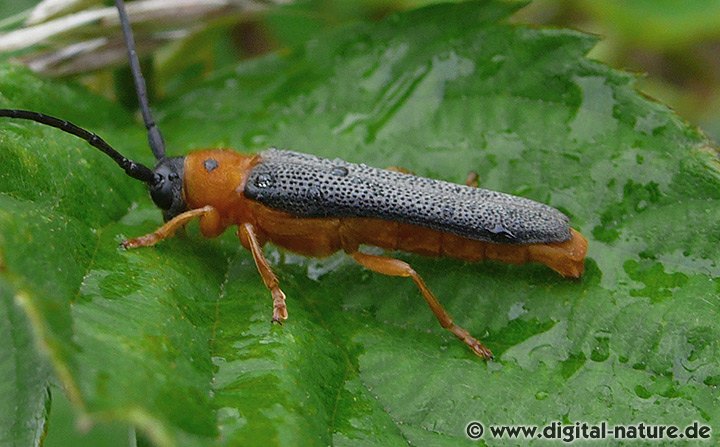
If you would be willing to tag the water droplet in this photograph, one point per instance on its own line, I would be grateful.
(516, 310)
(642, 392)
(500, 229)
(264, 180)
(314, 193)
(340, 171)
(601, 351)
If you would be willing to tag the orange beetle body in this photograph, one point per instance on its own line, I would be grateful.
(222, 189)
(213, 189)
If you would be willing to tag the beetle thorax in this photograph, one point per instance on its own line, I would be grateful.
(216, 177)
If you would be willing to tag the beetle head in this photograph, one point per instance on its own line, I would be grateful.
(166, 189)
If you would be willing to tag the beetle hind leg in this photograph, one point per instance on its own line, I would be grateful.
(249, 239)
(472, 180)
(396, 267)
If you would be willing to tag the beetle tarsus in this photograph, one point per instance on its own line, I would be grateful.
(249, 239)
(474, 344)
(147, 240)
(280, 313)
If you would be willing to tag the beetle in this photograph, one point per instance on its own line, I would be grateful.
(315, 207)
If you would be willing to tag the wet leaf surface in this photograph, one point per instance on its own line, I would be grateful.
(176, 339)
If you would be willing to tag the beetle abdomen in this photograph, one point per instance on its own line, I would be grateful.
(310, 186)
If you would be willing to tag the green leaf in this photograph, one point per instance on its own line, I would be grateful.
(176, 339)
(24, 400)
(660, 22)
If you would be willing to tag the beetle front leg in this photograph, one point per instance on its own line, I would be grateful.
(170, 227)
(396, 267)
(249, 239)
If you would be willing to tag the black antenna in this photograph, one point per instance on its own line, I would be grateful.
(134, 170)
(155, 139)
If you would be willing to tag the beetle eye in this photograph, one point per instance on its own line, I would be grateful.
(162, 192)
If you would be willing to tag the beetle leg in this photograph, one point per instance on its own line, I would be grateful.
(472, 179)
(168, 229)
(400, 169)
(249, 239)
(396, 267)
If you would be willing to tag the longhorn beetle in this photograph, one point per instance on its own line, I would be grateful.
(315, 207)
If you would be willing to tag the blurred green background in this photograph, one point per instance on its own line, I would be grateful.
(672, 45)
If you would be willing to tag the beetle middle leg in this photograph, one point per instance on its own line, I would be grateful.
(396, 267)
(249, 239)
